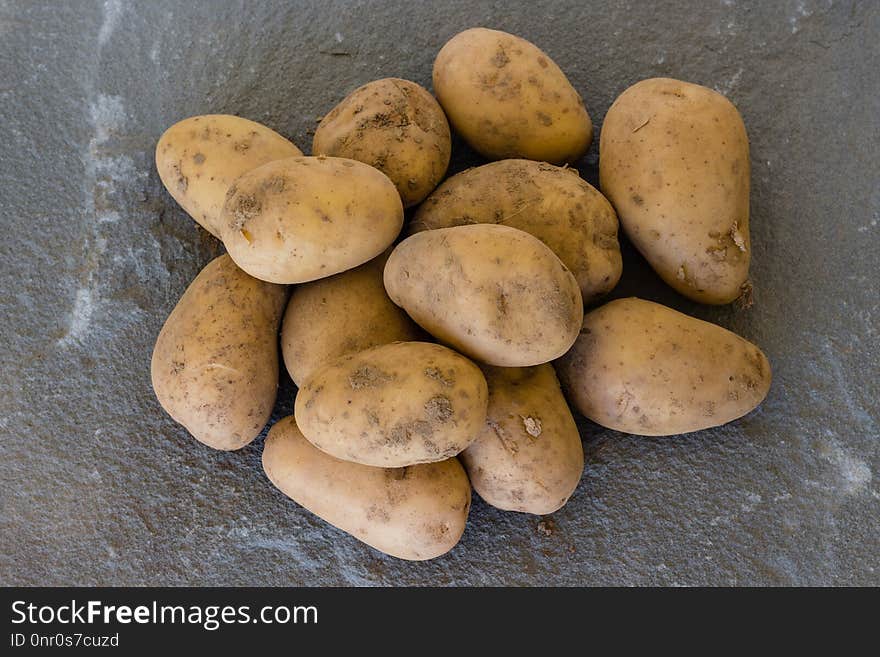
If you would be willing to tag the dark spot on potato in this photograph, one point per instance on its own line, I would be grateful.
(198, 158)
(439, 408)
(500, 59)
(447, 380)
(368, 377)
(245, 207)
(544, 119)
(542, 62)
(638, 200)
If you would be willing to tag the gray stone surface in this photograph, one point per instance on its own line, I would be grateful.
(98, 486)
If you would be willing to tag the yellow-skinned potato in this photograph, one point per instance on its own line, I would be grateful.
(394, 125)
(394, 405)
(417, 512)
(646, 369)
(529, 456)
(494, 293)
(674, 162)
(305, 218)
(215, 363)
(343, 314)
(552, 203)
(508, 99)
(200, 157)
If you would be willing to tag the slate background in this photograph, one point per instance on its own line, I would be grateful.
(98, 486)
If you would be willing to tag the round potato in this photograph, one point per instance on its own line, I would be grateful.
(494, 293)
(394, 405)
(416, 513)
(507, 98)
(343, 314)
(394, 125)
(529, 456)
(552, 203)
(199, 158)
(646, 369)
(674, 162)
(305, 218)
(215, 363)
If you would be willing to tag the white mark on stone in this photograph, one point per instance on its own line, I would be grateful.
(855, 474)
(80, 316)
(112, 12)
(338, 37)
(872, 224)
(794, 21)
(728, 85)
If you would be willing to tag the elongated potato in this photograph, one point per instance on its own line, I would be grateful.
(674, 162)
(200, 157)
(416, 513)
(646, 369)
(304, 218)
(215, 363)
(529, 456)
(394, 125)
(494, 293)
(507, 98)
(552, 203)
(343, 314)
(394, 405)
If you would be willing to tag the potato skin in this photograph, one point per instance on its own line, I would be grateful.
(643, 368)
(415, 513)
(200, 157)
(343, 314)
(494, 293)
(395, 126)
(674, 162)
(507, 98)
(529, 456)
(305, 218)
(394, 405)
(552, 203)
(215, 364)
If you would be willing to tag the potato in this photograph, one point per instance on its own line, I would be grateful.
(215, 363)
(394, 405)
(646, 369)
(554, 204)
(394, 125)
(507, 98)
(305, 218)
(417, 512)
(674, 162)
(529, 456)
(199, 158)
(343, 314)
(494, 293)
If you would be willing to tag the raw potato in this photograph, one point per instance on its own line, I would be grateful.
(343, 314)
(674, 162)
(646, 369)
(215, 363)
(200, 157)
(394, 125)
(552, 203)
(494, 293)
(529, 456)
(507, 98)
(394, 405)
(305, 218)
(417, 513)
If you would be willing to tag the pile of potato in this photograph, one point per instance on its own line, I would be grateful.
(428, 364)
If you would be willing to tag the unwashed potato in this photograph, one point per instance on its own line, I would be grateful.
(394, 125)
(304, 218)
(552, 203)
(417, 513)
(343, 314)
(674, 162)
(529, 456)
(507, 98)
(495, 293)
(215, 363)
(394, 405)
(199, 158)
(646, 369)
